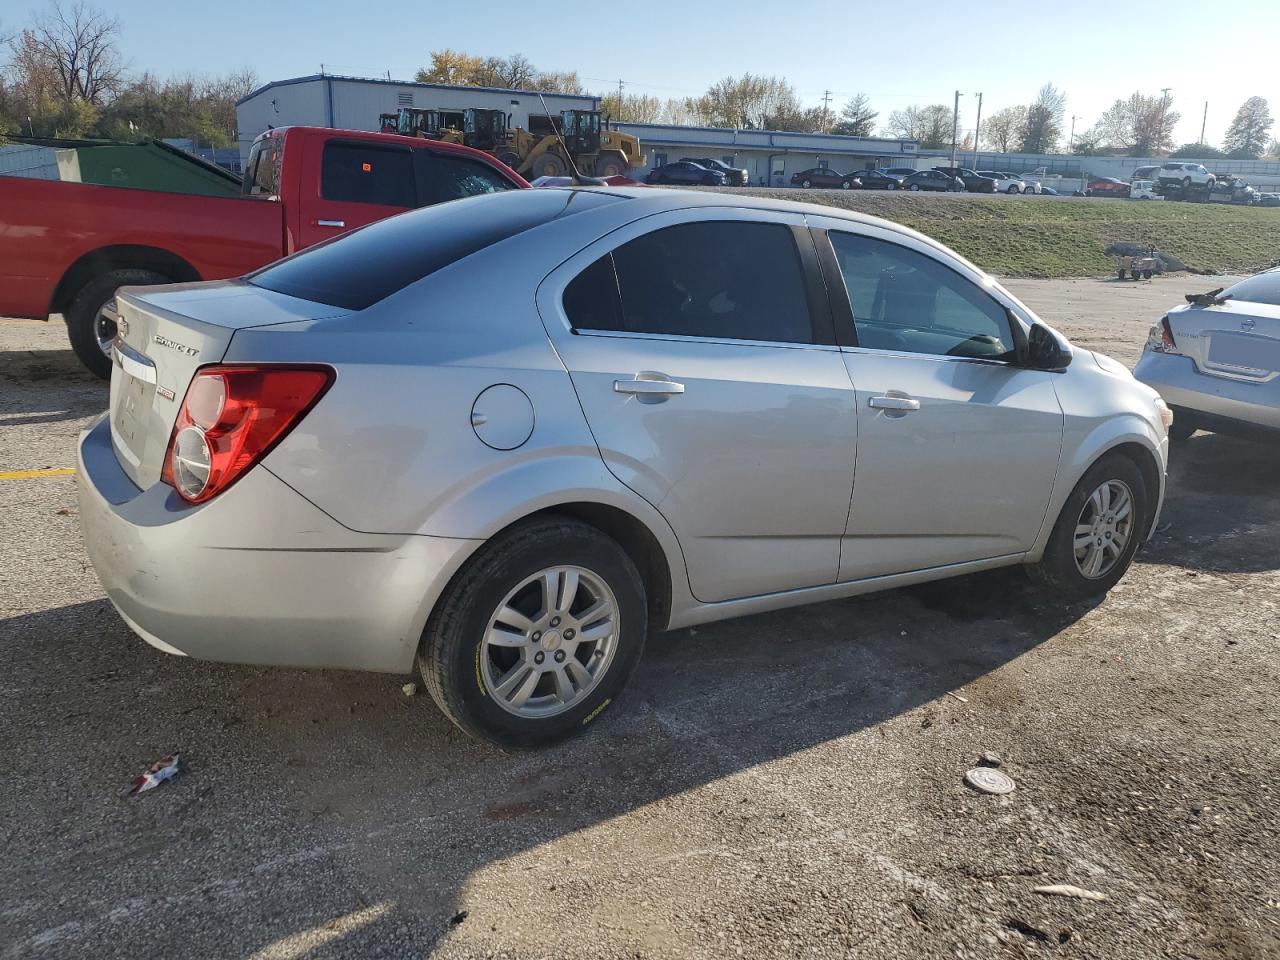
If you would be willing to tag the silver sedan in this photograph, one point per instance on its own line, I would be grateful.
(502, 439)
(1216, 360)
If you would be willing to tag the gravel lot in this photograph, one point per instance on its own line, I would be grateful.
(782, 786)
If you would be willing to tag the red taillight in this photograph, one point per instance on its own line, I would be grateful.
(230, 419)
(1166, 335)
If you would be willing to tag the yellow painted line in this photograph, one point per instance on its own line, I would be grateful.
(33, 474)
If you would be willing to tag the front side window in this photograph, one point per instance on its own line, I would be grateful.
(721, 279)
(262, 173)
(905, 301)
(360, 173)
(452, 178)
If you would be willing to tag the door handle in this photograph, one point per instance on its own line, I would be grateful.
(331, 223)
(901, 404)
(655, 386)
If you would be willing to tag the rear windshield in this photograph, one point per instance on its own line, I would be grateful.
(1261, 288)
(359, 268)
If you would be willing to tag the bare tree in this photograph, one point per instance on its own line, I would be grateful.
(930, 125)
(78, 46)
(1003, 129)
(631, 107)
(747, 101)
(1250, 131)
(1139, 125)
(559, 81)
(1043, 128)
(857, 119)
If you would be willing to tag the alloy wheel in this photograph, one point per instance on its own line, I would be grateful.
(549, 642)
(1103, 529)
(105, 327)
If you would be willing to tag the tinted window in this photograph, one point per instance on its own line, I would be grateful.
(360, 173)
(720, 279)
(262, 173)
(364, 266)
(448, 177)
(1262, 288)
(903, 300)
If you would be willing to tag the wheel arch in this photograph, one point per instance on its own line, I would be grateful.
(118, 257)
(1152, 472)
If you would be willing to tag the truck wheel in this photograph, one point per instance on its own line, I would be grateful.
(611, 165)
(549, 165)
(537, 635)
(89, 331)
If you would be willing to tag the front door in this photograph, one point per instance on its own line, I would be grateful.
(714, 392)
(958, 445)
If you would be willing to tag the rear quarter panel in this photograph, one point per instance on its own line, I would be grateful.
(47, 226)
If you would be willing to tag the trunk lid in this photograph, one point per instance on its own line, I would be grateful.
(1238, 340)
(165, 335)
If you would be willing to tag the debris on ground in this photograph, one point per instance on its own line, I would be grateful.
(989, 758)
(166, 768)
(457, 918)
(989, 780)
(952, 693)
(409, 689)
(1067, 890)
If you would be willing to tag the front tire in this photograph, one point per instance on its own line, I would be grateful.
(536, 635)
(89, 329)
(1097, 532)
(806, 184)
(915, 188)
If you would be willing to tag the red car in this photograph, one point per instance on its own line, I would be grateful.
(1106, 187)
(66, 247)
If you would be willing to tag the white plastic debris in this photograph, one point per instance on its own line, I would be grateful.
(1067, 890)
(989, 780)
(166, 768)
(409, 689)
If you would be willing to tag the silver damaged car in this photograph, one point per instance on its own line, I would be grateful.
(502, 439)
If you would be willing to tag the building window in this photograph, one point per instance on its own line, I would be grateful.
(404, 99)
(824, 164)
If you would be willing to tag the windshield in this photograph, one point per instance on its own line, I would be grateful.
(1261, 288)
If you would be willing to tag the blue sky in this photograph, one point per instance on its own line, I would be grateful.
(902, 54)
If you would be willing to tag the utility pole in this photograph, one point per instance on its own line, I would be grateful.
(1204, 121)
(826, 100)
(1071, 140)
(1164, 105)
(977, 129)
(955, 127)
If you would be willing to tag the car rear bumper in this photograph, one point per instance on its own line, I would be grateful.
(1185, 388)
(258, 574)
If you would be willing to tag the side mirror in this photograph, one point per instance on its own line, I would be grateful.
(1045, 351)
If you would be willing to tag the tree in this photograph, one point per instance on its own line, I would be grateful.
(516, 71)
(1088, 143)
(450, 67)
(1043, 127)
(1273, 151)
(1004, 128)
(1139, 125)
(930, 125)
(748, 101)
(631, 107)
(559, 81)
(76, 49)
(857, 119)
(1250, 131)
(1198, 151)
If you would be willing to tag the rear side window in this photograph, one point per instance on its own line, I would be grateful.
(360, 268)
(364, 173)
(447, 177)
(721, 279)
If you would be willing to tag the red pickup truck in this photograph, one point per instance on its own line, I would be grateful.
(66, 247)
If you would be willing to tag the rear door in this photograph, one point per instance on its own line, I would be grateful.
(700, 349)
(958, 446)
(353, 183)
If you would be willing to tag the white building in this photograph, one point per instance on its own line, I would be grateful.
(354, 103)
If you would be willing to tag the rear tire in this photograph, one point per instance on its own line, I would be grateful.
(611, 165)
(89, 333)
(1061, 569)
(460, 665)
(549, 165)
(915, 187)
(806, 184)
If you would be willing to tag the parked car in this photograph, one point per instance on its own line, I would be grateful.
(1177, 173)
(66, 247)
(1217, 362)
(1143, 190)
(878, 180)
(682, 171)
(900, 172)
(1144, 173)
(1029, 185)
(346, 476)
(735, 176)
(825, 177)
(1269, 199)
(973, 181)
(1232, 190)
(1005, 182)
(933, 180)
(1106, 187)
